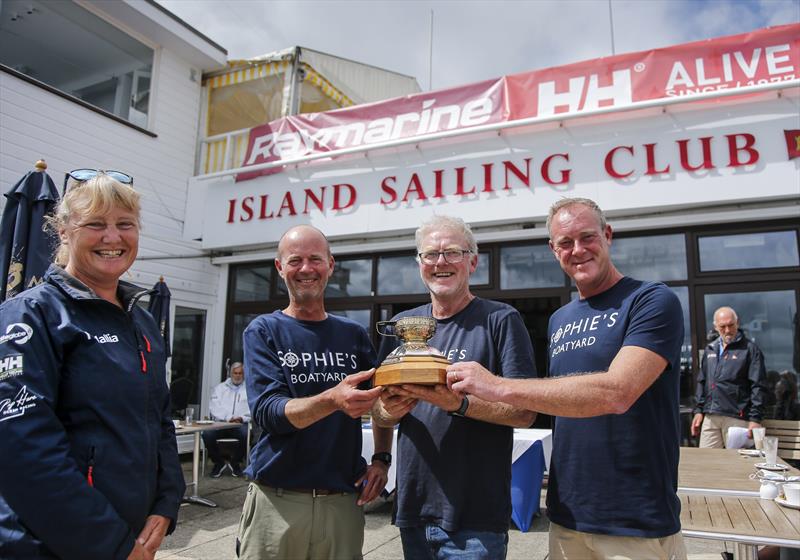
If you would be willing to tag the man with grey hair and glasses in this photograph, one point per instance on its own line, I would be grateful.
(731, 388)
(454, 472)
(614, 370)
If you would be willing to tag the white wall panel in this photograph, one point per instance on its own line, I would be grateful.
(35, 123)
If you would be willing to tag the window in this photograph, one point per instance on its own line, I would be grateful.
(529, 266)
(244, 105)
(399, 275)
(655, 257)
(748, 250)
(360, 316)
(74, 51)
(768, 318)
(350, 278)
(481, 275)
(251, 283)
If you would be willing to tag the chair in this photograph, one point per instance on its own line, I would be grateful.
(788, 434)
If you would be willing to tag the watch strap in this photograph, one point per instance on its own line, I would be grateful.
(462, 410)
(383, 457)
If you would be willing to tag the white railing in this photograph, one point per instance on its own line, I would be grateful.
(222, 151)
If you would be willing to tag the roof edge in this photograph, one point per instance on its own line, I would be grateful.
(178, 20)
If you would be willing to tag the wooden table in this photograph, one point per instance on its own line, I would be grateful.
(719, 472)
(720, 501)
(196, 429)
(745, 521)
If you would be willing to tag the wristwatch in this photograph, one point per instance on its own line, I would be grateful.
(461, 410)
(383, 457)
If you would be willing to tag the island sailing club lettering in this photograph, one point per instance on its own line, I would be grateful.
(484, 179)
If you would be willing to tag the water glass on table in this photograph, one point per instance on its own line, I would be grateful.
(771, 450)
(189, 416)
(758, 437)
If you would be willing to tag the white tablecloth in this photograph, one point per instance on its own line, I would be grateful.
(523, 439)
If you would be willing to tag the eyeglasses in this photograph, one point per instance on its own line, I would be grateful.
(83, 175)
(451, 256)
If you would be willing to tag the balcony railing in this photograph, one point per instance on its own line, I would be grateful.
(222, 151)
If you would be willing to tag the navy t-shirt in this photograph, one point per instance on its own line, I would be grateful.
(285, 358)
(456, 472)
(617, 474)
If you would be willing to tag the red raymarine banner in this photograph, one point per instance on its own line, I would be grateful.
(762, 56)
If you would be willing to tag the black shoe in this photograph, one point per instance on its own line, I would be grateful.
(216, 472)
(236, 470)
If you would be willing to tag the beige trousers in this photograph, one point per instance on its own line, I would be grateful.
(566, 544)
(293, 525)
(714, 431)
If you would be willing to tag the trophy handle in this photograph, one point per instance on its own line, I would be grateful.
(379, 324)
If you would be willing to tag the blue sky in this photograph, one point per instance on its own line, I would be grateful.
(473, 40)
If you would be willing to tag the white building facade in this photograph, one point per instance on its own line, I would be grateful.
(117, 85)
(692, 151)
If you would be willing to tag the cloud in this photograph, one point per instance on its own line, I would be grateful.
(473, 40)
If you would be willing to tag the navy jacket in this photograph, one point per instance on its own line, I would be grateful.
(732, 384)
(87, 444)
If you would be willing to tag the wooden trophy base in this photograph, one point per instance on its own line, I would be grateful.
(418, 370)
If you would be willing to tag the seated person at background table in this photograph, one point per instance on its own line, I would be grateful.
(229, 404)
(786, 405)
(304, 367)
(614, 375)
(90, 467)
(731, 383)
(454, 472)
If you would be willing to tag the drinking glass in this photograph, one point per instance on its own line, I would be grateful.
(758, 437)
(771, 450)
(189, 416)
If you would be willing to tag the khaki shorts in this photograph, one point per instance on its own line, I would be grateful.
(282, 524)
(566, 544)
(714, 431)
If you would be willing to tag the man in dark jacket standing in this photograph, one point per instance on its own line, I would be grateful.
(730, 385)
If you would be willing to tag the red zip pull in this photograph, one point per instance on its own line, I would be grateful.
(147, 342)
(90, 476)
(144, 362)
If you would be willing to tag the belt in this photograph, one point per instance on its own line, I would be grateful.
(315, 492)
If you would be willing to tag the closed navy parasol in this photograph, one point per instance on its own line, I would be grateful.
(26, 248)
(159, 309)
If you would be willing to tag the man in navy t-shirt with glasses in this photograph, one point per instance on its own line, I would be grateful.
(454, 452)
(614, 365)
(304, 367)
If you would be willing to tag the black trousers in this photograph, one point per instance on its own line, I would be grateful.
(237, 432)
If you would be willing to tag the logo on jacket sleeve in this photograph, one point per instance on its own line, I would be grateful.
(10, 366)
(19, 333)
(19, 405)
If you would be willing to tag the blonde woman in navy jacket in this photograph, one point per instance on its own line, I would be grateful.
(90, 467)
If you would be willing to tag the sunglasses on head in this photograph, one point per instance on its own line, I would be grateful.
(82, 175)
